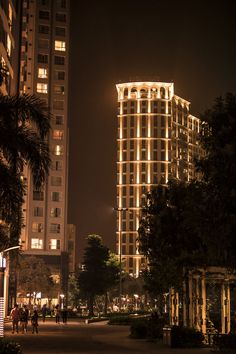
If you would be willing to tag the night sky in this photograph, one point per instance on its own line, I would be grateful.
(191, 43)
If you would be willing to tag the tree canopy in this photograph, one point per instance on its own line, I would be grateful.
(100, 271)
(34, 276)
(24, 126)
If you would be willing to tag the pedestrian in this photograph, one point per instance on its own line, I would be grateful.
(15, 316)
(26, 310)
(23, 314)
(64, 315)
(44, 312)
(57, 313)
(34, 321)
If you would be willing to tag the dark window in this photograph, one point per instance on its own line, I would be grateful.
(43, 29)
(60, 17)
(59, 75)
(60, 31)
(44, 15)
(58, 60)
(43, 58)
(61, 3)
(37, 195)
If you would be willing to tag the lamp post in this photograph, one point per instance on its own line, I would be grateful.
(119, 210)
(62, 301)
(2, 271)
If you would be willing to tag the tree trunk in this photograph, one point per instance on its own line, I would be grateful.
(90, 305)
(105, 304)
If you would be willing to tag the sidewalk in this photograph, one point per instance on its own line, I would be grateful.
(94, 338)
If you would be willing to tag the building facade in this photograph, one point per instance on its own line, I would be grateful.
(157, 141)
(8, 45)
(44, 72)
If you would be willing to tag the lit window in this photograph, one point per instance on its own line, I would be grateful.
(8, 45)
(10, 15)
(57, 134)
(36, 243)
(42, 88)
(54, 244)
(42, 73)
(37, 227)
(60, 45)
(58, 150)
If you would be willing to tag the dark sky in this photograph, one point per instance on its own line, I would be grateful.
(192, 43)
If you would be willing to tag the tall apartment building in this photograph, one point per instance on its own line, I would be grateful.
(157, 141)
(44, 72)
(8, 46)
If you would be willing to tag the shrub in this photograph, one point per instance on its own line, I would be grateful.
(155, 328)
(9, 347)
(139, 328)
(184, 337)
(150, 328)
(120, 320)
(225, 342)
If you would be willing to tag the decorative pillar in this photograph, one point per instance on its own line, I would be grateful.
(184, 303)
(174, 306)
(190, 295)
(228, 325)
(177, 308)
(197, 312)
(223, 308)
(203, 322)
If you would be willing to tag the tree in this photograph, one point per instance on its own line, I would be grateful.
(73, 290)
(218, 167)
(100, 271)
(24, 126)
(192, 224)
(34, 277)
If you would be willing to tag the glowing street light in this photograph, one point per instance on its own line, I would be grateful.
(62, 300)
(3, 265)
(136, 301)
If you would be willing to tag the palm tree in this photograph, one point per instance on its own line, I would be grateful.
(24, 127)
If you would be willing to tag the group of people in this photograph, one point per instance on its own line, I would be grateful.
(21, 315)
(60, 313)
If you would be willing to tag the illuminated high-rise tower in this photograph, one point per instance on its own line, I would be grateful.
(157, 141)
(44, 72)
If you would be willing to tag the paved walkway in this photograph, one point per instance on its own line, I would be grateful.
(94, 338)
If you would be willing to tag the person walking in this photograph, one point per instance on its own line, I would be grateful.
(64, 315)
(44, 312)
(15, 316)
(23, 314)
(57, 313)
(26, 310)
(34, 321)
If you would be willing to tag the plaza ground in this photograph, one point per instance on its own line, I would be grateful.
(95, 338)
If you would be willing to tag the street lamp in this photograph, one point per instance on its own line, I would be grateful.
(136, 301)
(62, 300)
(3, 264)
(119, 210)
